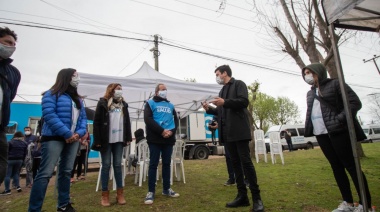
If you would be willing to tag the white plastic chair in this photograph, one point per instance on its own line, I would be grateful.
(275, 147)
(260, 147)
(125, 160)
(177, 161)
(142, 149)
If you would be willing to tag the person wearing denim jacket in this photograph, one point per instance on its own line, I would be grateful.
(64, 123)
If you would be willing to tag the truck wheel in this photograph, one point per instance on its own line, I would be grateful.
(201, 153)
(309, 146)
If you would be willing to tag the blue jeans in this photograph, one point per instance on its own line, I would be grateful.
(14, 167)
(155, 150)
(51, 151)
(3, 156)
(117, 153)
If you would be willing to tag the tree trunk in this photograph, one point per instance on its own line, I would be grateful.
(360, 150)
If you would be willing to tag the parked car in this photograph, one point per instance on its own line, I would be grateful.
(298, 139)
(372, 132)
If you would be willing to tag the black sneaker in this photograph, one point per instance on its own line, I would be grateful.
(18, 189)
(229, 182)
(67, 208)
(5, 193)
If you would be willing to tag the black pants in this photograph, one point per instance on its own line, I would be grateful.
(36, 166)
(230, 170)
(79, 161)
(290, 145)
(338, 151)
(242, 165)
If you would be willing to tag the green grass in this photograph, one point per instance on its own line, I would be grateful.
(304, 183)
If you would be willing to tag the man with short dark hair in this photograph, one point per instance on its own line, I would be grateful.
(234, 132)
(9, 80)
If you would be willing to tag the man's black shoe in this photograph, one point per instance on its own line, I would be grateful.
(239, 201)
(229, 182)
(258, 206)
(68, 208)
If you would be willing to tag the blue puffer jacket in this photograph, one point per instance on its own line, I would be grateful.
(57, 114)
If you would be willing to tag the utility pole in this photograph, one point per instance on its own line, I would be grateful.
(155, 51)
(373, 59)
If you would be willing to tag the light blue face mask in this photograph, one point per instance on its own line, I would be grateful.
(162, 94)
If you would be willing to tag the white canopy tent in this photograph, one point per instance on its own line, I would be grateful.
(139, 87)
(361, 15)
(353, 14)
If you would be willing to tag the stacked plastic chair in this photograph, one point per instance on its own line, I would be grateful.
(275, 147)
(260, 148)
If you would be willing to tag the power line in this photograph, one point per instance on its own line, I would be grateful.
(174, 46)
(77, 31)
(74, 22)
(194, 16)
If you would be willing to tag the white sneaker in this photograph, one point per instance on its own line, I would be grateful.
(344, 206)
(149, 198)
(359, 208)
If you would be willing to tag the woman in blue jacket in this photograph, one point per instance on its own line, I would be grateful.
(64, 123)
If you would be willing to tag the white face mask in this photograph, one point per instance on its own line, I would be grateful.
(27, 132)
(162, 94)
(309, 79)
(118, 94)
(75, 81)
(6, 51)
(219, 80)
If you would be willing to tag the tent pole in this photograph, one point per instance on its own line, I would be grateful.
(349, 118)
(179, 124)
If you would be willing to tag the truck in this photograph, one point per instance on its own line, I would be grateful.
(194, 130)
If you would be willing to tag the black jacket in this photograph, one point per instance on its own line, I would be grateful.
(17, 149)
(102, 122)
(154, 130)
(9, 87)
(233, 119)
(333, 116)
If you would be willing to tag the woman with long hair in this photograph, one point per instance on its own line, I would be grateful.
(64, 123)
(326, 119)
(112, 132)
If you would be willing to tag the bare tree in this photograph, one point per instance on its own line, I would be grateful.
(299, 30)
(374, 107)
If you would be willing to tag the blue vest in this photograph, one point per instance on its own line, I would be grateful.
(163, 113)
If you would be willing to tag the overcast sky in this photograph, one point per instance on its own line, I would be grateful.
(197, 24)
